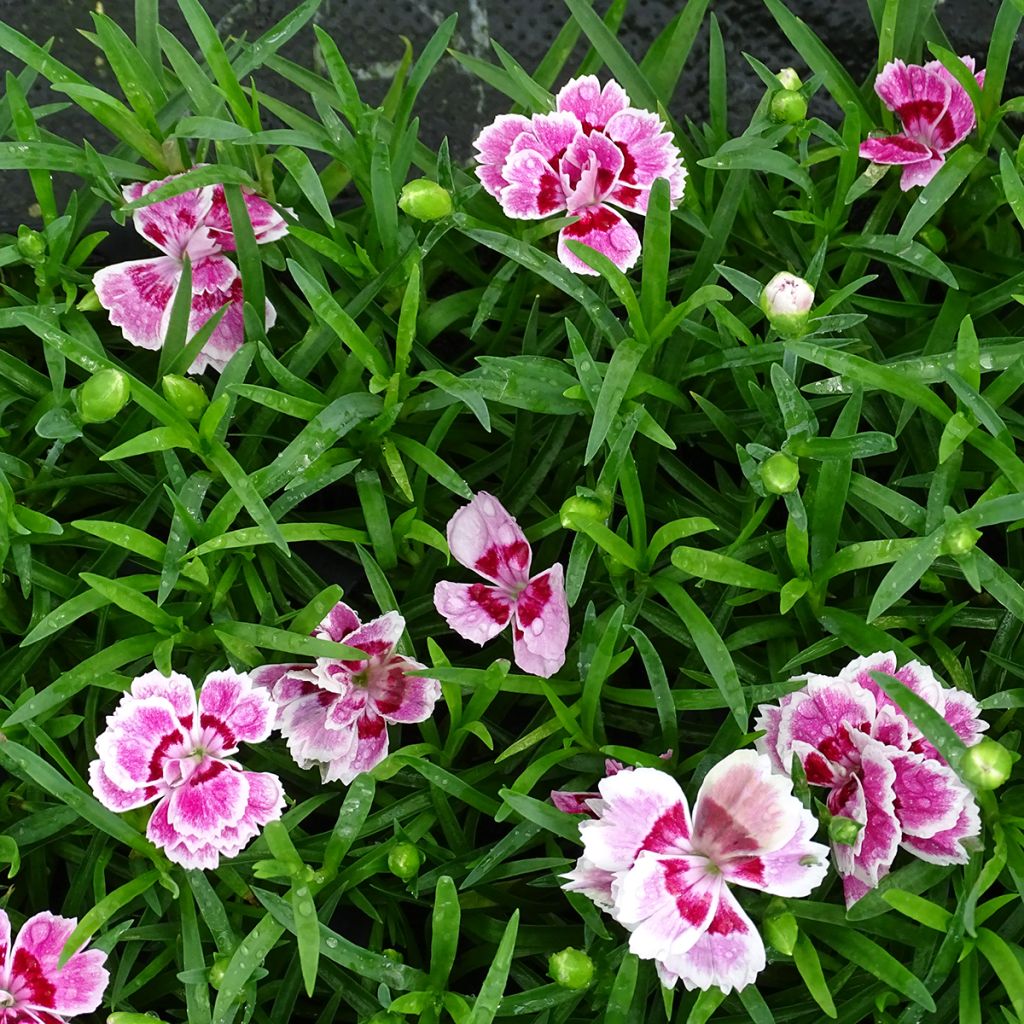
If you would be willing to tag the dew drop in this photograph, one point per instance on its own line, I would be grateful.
(331, 942)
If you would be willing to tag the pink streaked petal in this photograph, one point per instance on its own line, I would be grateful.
(379, 637)
(340, 621)
(916, 677)
(648, 150)
(400, 696)
(848, 801)
(960, 112)
(142, 736)
(569, 802)
(590, 169)
(948, 847)
(190, 853)
(929, 796)
(594, 882)
(267, 224)
(265, 804)
(346, 708)
(534, 189)
(75, 988)
(961, 710)
(229, 334)
(915, 175)
(215, 795)
(793, 871)
(138, 296)
(593, 106)
(602, 229)
(213, 274)
(172, 225)
(176, 689)
(550, 135)
(854, 889)
(742, 808)
(542, 618)
(894, 149)
(483, 536)
(818, 769)
(881, 835)
(821, 716)
(916, 95)
(370, 749)
(666, 903)
(892, 728)
(768, 720)
(237, 711)
(729, 955)
(475, 611)
(493, 146)
(5, 939)
(640, 810)
(115, 797)
(303, 723)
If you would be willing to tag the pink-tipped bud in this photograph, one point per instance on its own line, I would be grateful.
(787, 300)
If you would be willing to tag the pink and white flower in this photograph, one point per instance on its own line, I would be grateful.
(594, 153)
(936, 113)
(881, 773)
(33, 988)
(483, 536)
(162, 745)
(665, 876)
(334, 714)
(196, 224)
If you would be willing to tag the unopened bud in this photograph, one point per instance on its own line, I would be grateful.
(425, 200)
(31, 244)
(790, 79)
(103, 396)
(934, 238)
(404, 861)
(779, 473)
(185, 395)
(571, 968)
(959, 539)
(582, 507)
(787, 107)
(786, 300)
(986, 765)
(217, 971)
(844, 831)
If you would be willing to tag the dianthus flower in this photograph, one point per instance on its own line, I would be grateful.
(334, 714)
(161, 745)
(33, 988)
(138, 294)
(594, 152)
(936, 113)
(881, 773)
(483, 536)
(666, 877)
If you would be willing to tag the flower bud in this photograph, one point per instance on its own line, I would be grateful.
(786, 300)
(185, 395)
(934, 238)
(780, 927)
(31, 244)
(217, 971)
(787, 107)
(779, 473)
(571, 968)
(425, 200)
(103, 396)
(959, 539)
(404, 861)
(581, 506)
(790, 79)
(987, 764)
(844, 831)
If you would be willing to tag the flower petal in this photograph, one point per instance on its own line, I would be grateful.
(493, 146)
(174, 225)
(541, 630)
(176, 689)
(236, 710)
(794, 870)
(895, 149)
(483, 536)
(341, 620)
(229, 334)
(569, 802)
(929, 796)
(602, 229)
(378, 638)
(589, 170)
(142, 738)
(188, 851)
(550, 135)
(370, 749)
(302, 718)
(595, 883)
(117, 797)
(728, 955)
(961, 710)
(214, 795)
(914, 676)
(401, 696)
(475, 611)
(648, 150)
(639, 810)
(75, 988)
(960, 113)
(920, 174)
(267, 224)
(666, 902)
(592, 105)
(917, 96)
(534, 189)
(947, 847)
(138, 296)
(881, 834)
(742, 809)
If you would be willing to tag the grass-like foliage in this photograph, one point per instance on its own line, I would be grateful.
(630, 421)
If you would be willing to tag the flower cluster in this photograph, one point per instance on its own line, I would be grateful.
(594, 152)
(880, 772)
(195, 225)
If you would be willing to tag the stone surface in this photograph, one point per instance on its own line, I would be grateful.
(454, 103)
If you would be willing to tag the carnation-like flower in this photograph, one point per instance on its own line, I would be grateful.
(666, 877)
(33, 988)
(162, 746)
(595, 152)
(333, 714)
(936, 113)
(138, 294)
(483, 537)
(881, 773)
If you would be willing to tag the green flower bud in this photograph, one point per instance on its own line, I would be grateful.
(393, 955)
(932, 583)
(89, 303)
(185, 395)
(787, 107)
(31, 244)
(786, 300)
(103, 396)
(217, 971)
(424, 199)
(780, 927)
(934, 238)
(571, 968)
(986, 765)
(581, 506)
(844, 831)
(958, 539)
(404, 861)
(779, 473)
(790, 79)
